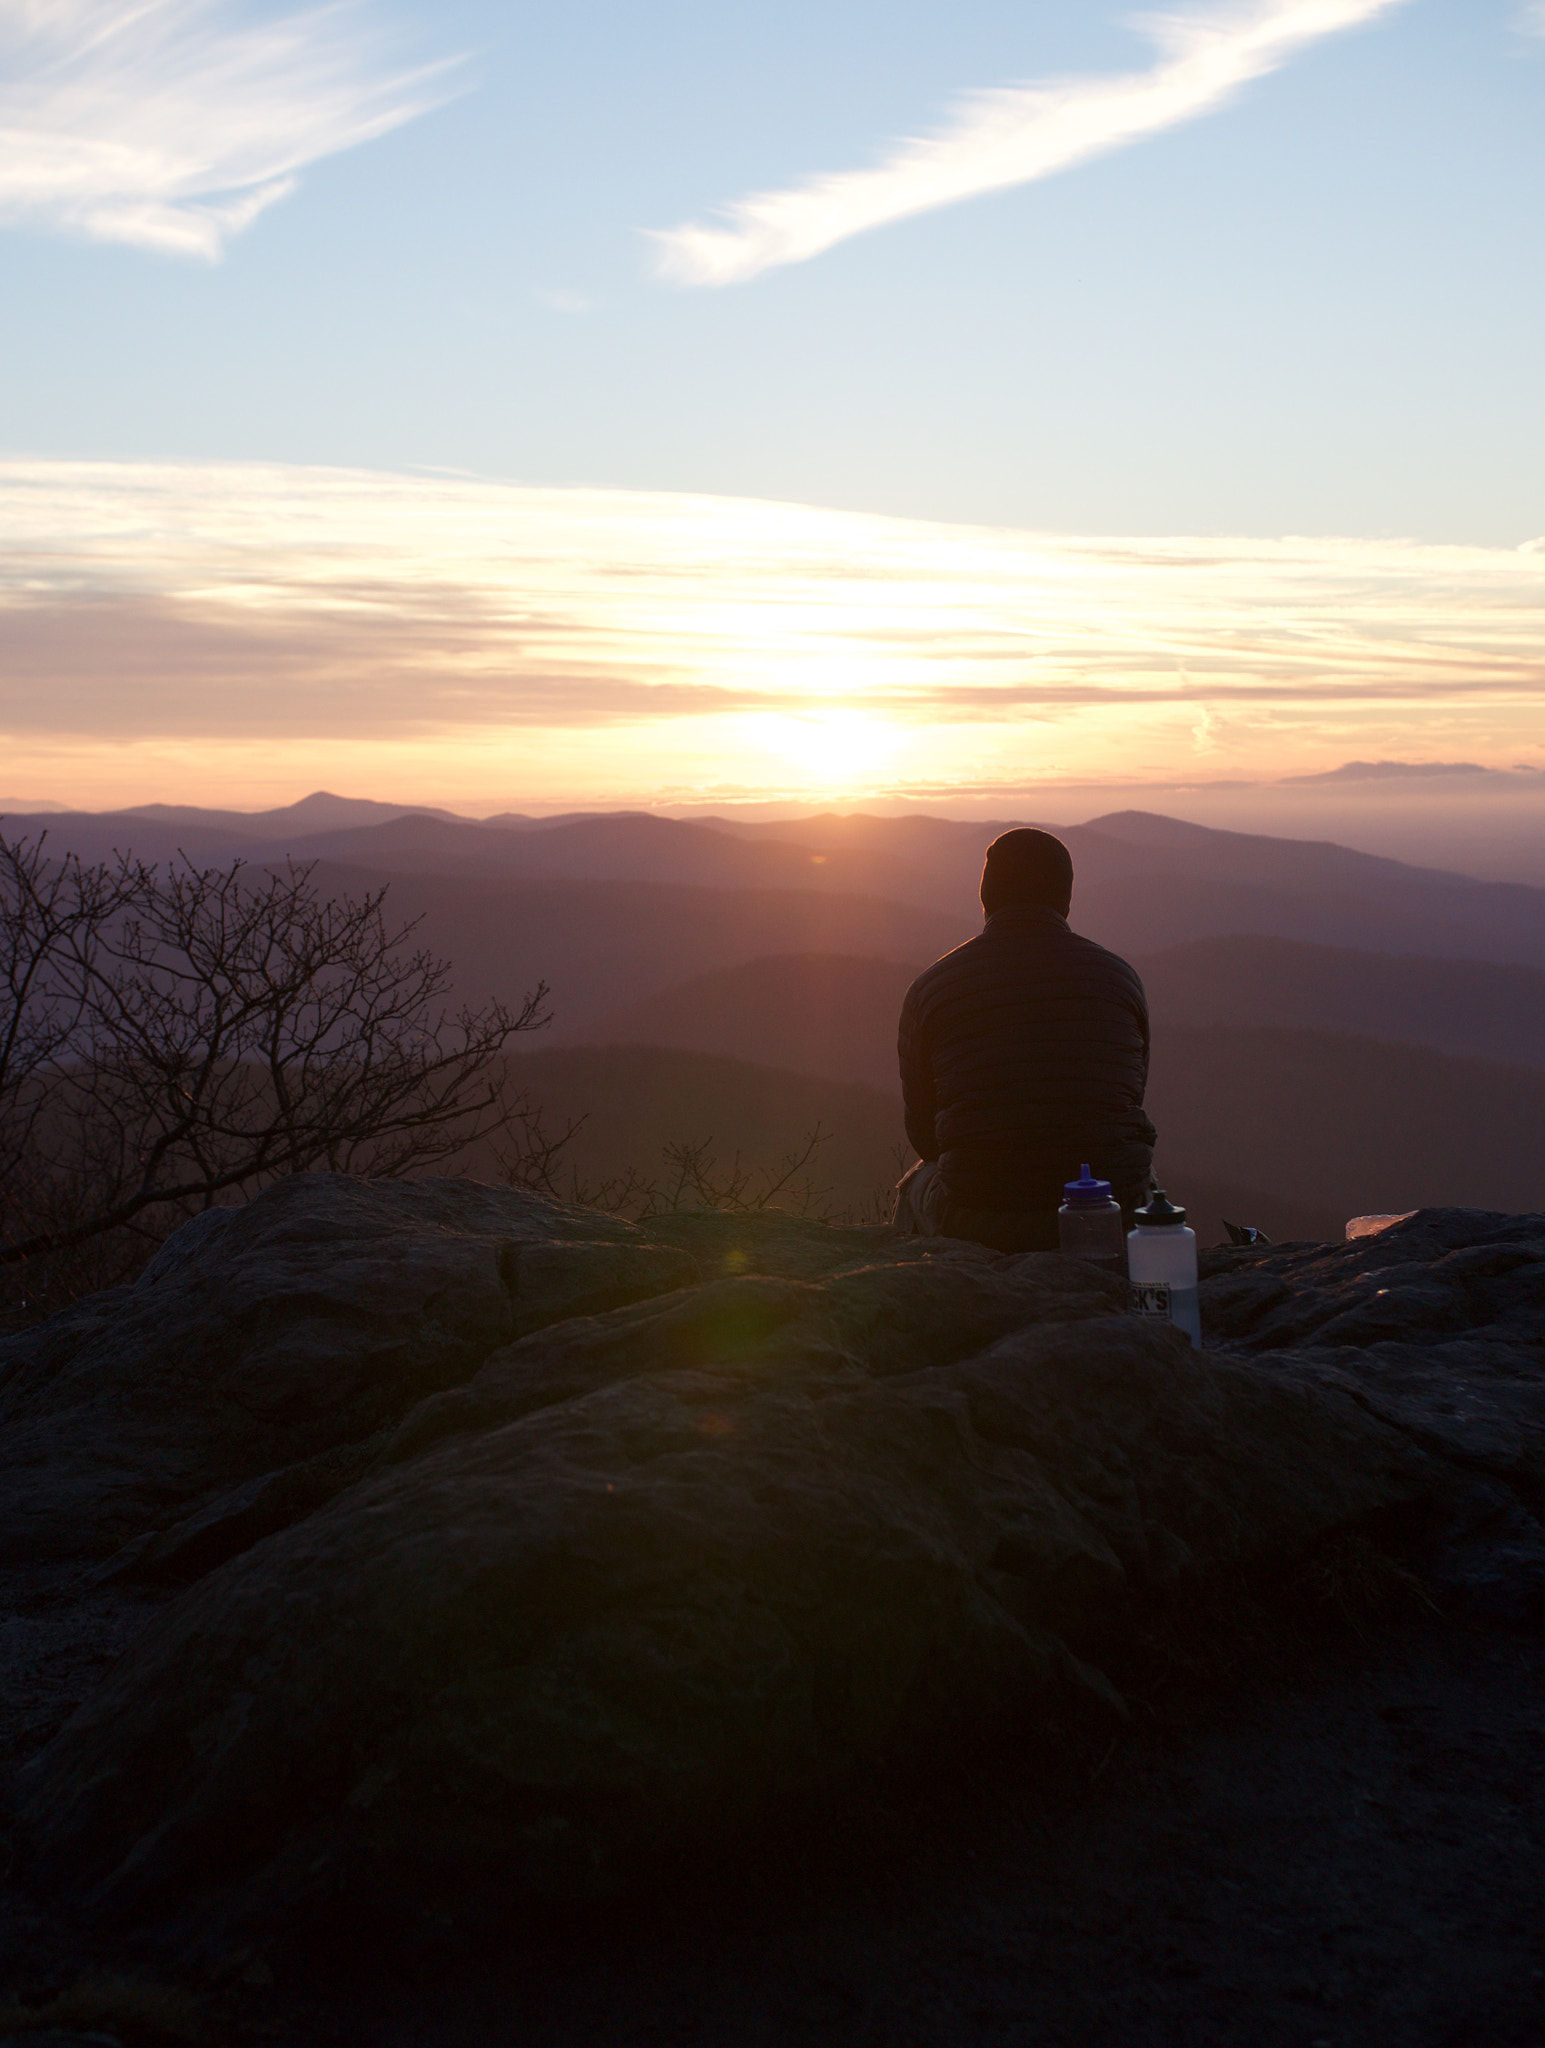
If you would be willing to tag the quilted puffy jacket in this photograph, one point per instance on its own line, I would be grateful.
(1023, 1054)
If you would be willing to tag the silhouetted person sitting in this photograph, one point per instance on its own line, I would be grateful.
(1023, 1054)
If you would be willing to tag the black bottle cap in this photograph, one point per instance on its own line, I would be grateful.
(1159, 1212)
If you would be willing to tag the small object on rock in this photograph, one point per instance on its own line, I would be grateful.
(1161, 1260)
(1371, 1226)
(1089, 1224)
(1244, 1233)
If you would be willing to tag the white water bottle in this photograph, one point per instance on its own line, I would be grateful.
(1161, 1265)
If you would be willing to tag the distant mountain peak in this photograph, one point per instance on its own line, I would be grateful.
(319, 812)
(1150, 826)
(1392, 771)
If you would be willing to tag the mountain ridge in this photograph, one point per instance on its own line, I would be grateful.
(1163, 883)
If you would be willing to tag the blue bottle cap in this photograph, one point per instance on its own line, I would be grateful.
(1086, 1192)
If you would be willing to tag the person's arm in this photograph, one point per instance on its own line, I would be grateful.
(1141, 1008)
(917, 1094)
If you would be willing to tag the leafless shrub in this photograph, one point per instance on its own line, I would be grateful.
(879, 1205)
(529, 1153)
(173, 1039)
(693, 1178)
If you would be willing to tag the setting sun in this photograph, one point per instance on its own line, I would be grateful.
(836, 748)
(501, 645)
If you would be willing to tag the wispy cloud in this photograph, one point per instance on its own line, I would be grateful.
(148, 598)
(248, 627)
(172, 124)
(1014, 135)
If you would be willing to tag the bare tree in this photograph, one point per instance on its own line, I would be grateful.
(168, 1039)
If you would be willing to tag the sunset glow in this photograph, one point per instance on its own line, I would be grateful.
(256, 631)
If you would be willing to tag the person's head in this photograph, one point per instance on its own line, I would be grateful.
(1026, 866)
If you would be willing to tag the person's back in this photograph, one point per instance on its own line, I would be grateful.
(1024, 1053)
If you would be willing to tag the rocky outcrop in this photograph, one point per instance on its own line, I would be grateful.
(1437, 1326)
(268, 1335)
(523, 1547)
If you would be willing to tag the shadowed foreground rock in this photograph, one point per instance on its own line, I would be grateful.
(1437, 1326)
(558, 1565)
(280, 1331)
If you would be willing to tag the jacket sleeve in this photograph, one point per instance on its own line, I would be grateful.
(1141, 1007)
(917, 1093)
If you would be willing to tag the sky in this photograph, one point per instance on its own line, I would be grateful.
(513, 407)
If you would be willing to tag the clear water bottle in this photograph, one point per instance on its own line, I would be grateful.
(1089, 1224)
(1161, 1265)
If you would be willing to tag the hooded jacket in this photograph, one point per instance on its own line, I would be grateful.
(1023, 1054)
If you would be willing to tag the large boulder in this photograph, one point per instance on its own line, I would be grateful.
(580, 1545)
(267, 1335)
(619, 1584)
(1437, 1325)
(542, 1652)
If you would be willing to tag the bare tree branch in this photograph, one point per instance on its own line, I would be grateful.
(694, 1179)
(169, 1039)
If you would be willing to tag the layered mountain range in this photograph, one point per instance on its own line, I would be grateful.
(1334, 1031)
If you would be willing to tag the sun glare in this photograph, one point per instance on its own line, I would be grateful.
(831, 747)
(455, 639)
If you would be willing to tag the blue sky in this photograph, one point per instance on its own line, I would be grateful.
(1316, 308)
